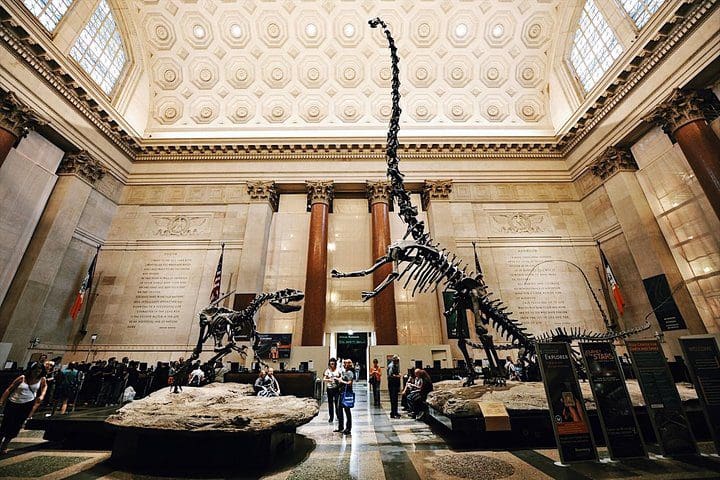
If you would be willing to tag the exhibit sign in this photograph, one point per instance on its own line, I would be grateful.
(275, 345)
(567, 408)
(664, 306)
(667, 416)
(702, 356)
(612, 400)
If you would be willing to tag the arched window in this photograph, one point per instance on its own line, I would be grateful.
(595, 46)
(641, 10)
(99, 48)
(49, 12)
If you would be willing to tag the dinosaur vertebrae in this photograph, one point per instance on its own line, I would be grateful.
(561, 334)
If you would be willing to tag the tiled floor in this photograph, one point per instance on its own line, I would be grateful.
(379, 448)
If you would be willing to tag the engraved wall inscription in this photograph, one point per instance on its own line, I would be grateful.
(161, 290)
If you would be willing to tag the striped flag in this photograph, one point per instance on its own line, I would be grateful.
(215, 293)
(613, 285)
(84, 287)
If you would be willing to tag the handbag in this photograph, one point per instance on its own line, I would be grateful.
(348, 398)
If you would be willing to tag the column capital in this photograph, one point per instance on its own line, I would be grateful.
(435, 190)
(83, 165)
(613, 160)
(378, 192)
(17, 117)
(320, 191)
(264, 191)
(683, 107)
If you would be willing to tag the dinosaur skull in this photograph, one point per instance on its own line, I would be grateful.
(284, 300)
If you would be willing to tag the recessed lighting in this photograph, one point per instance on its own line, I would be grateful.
(235, 30)
(707, 269)
(198, 31)
(311, 30)
(461, 30)
(497, 30)
(349, 30)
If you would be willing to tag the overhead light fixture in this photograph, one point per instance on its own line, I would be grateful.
(497, 30)
(235, 30)
(311, 30)
(198, 31)
(348, 30)
(461, 30)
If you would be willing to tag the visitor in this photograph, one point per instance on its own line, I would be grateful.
(375, 376)
(66, 385)
(197, 376)
(346, 381)
(509, 367)
(21, 399)
(520, 373)
(273, 386)
(394, 385)
(330, 378)
(220, 371)
(410, 386)
(174, 374)
(259, 384)
(416, 399)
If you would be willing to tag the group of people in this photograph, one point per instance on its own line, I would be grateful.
(266, 385)
(515, 370)
(414, 393)
(341, 398)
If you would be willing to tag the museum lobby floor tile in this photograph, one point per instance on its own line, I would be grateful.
(379, 448)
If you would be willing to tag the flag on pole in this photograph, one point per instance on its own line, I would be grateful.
(613, 285)
(84, 287)
(215, 293)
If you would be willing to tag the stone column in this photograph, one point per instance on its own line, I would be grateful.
(16, 120)
(320, 195)
(41, 264)
(263, 203)
(384, 313)
(650, 252)
(685, 116)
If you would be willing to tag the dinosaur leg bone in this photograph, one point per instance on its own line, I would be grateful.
(362, 273)
(388, 280)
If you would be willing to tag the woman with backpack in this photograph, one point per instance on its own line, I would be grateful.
(346, 400)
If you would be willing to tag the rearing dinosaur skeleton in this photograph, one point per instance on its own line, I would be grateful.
(422, 261)
(227, 327)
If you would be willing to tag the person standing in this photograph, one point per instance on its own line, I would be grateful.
(394, 385)
(21, 399)
(330, 377)
(375, 376)
(346, 381)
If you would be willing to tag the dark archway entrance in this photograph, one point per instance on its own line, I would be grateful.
(354, 346)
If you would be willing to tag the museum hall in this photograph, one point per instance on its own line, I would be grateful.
(369, 239)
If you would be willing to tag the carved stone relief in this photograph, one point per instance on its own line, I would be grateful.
(521, 222)
(180, 225)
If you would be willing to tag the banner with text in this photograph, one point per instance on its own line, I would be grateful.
(614, 407)
(567, 408)
(667, 416)
(702, 356)
(666, 310)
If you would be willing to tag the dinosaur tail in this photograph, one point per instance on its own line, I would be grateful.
(583, 335)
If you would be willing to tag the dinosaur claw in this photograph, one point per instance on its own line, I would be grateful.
(335, 274)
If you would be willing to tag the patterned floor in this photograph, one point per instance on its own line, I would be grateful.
(379, 448)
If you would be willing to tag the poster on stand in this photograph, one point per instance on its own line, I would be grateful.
(612, 400)
(274, 346)
(567, 408)
(662, 399)
(702, 356)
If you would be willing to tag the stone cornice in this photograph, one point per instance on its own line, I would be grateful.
(378, 192)
(16, 116)
(683, 107)
(687, 17)
(611, 161)
(320, 192)
(83, 165)
(265, 192)
(435, 190)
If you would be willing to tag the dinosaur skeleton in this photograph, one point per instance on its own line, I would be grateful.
(227, 327)
(420, 260)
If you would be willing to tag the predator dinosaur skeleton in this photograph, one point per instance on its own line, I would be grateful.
(228, 327)
(420, 260)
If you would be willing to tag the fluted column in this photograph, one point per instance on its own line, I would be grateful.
(16, 120)
(685, 117)
(320, 195)
(384, 314)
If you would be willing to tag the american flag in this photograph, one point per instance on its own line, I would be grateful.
(215, 293)
(84, 287)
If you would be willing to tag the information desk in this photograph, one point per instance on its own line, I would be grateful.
(300, 384)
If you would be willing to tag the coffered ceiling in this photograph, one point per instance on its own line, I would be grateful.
(314, 69)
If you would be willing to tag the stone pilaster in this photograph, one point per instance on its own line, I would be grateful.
(320, 195)
(83, 165)
(435, 190)
(685, 116)
(613, 160)
(16, 120)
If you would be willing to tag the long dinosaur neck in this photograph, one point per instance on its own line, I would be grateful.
(254, 306)
(407, 212)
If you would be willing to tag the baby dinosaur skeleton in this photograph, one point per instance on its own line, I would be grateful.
(429, 266)
(227, 327)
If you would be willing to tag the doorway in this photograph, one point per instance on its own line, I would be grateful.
(354, 346)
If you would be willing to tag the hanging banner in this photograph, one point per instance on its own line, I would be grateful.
(455, 321)
(666, 310)
(702, 356)
(667, 416)
(612, 400)
(567, 408)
